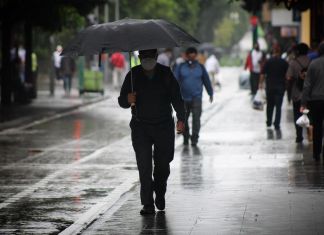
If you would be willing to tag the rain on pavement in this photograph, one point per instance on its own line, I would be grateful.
(77, 174)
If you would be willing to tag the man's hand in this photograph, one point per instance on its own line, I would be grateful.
(131, 98)
(211, 99)
(261, 85)
(302, 108)
(180, 127)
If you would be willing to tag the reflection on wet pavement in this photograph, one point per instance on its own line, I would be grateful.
(241, 179)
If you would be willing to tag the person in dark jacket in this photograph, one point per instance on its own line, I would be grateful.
(313, 97)
(295, 68)
(274, 74)
(192, 76)
(67, 71)
(155, 92)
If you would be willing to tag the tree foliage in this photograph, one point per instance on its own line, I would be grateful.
(231, 28)
(181, 12)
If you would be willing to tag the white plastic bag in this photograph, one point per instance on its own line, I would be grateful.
(303, 121)
(259, 100)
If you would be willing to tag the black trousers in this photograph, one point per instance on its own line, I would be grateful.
(161, 138)
(194, 107)
(297, 114)
(317, 110)
(274, 100)
(254, 82)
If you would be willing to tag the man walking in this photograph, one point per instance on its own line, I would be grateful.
(118, 61)
(295, 69)
(191, 76)
(313, 97)
(274, 73)
(253, 63)
(155, 90)
(67, 70)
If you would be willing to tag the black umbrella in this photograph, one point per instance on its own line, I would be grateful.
(128, 35)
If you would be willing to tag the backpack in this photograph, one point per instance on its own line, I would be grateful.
(301, 76)
(182, 64)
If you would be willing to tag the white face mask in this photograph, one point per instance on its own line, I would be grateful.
(148, 63)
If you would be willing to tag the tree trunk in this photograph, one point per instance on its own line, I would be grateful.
(28, 60)
(6, 81)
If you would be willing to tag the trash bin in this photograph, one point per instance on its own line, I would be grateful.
(90, 80)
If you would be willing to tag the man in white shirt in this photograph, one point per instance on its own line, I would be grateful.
(212, 67)
(256, 57)
(57, 61)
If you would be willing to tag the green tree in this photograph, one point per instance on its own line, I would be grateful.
(182, 12)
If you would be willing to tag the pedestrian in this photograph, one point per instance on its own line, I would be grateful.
(57, 61)
(67, 69)
(313, 97)
(253, 63)
(296, 67)
(118, 62)
(274, 74)
(165, 57)
(152, 124)
(212, 67)
(192, 76)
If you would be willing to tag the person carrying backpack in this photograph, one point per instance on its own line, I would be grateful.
(313, 98)
(192, 76)
(296, 74)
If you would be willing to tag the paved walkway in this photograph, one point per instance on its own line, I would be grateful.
(77, 173)
(242, 179)
(46, 106)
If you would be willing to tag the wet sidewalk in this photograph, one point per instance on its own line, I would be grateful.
(241, 179)
(46, 106)
(77, 174)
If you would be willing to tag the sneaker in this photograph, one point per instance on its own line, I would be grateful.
(160, 202)
(316, 157)
(148, 210)
(299, 139)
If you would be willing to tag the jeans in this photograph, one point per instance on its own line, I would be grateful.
(67, 84)
(161, 136)
(317, 109)
(194, 107)
(254, 82)
(274, 100)
(297, 114)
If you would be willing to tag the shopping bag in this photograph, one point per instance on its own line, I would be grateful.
(303, 121)
(258, 100)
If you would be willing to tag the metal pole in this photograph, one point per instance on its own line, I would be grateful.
(106, 65)
(116, 9)
(106, 13)
(130, 67)
(131, 78)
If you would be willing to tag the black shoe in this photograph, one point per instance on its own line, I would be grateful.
(185, 142)
(316, 157)
(148, 210)
(277, 128)
(299, 139)
(160, 202)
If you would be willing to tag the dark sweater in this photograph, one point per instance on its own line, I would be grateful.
(275, 70)
(154, 96)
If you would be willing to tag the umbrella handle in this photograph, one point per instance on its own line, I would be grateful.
(130, 67)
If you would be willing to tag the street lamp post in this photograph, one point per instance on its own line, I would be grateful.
(116, 9)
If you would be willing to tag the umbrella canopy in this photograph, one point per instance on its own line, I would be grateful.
(128, 35)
